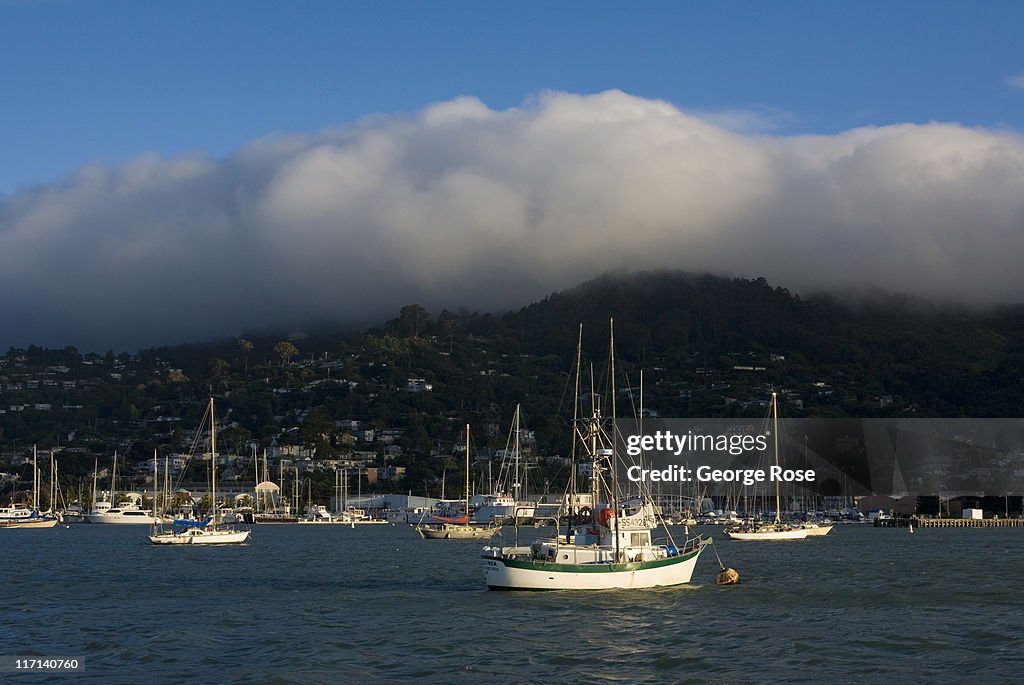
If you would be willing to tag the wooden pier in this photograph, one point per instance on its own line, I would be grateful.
(920, 522)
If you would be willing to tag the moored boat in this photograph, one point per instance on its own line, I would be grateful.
(462, 529)
(608, 541)
(772, 530)
(210, 531)
(20, 516)
(104, 513)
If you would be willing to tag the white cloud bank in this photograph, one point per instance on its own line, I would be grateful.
(461, 205)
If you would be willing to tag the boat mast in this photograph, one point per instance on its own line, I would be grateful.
(213, 462)
(775, 441)
(113, 481)
(167, 484)
(571, 505)
(467, 473)
(95, 470)
(613, 465)
(54, 489)
(518, 481)
(155, 477)
(35, 481)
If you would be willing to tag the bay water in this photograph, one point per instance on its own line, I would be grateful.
(375, 604)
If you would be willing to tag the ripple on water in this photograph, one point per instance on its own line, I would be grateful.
(332, 604)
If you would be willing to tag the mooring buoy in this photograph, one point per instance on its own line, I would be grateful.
(728, 576)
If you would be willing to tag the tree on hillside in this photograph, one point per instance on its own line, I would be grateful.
(286, 350)
(412, 320)
(246, 347)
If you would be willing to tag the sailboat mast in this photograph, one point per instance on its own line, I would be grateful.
(156, 475)
(213, 462)
(516, 493)
(571, 505)
(613, 465)
(113, 481)
(467, 474)
(95, 471)
(35, 481)
(53, 482)
(775, 442)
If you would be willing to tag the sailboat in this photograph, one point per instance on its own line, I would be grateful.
(456, 528)
(21, 517)
(607, 542)
(507, 503)
(210, 531)
(776, 530)
(817, 528)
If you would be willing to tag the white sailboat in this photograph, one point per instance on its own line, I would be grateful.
(507, 504)
(607, 542)
(208, 532)
(458, 528)
(817, 528)
(776, 530)
(22, 517)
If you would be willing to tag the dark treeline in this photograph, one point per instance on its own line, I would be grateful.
(710, 347)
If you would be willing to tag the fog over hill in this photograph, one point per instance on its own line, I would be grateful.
(460, 205)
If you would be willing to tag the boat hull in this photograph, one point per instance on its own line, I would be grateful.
(29, 523)
(518, 574)
(819, 531)
(793, 534)
(117, 519)
(201, 537)
(38, 523)
(455, 533)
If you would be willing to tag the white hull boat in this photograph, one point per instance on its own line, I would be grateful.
(209, 532)
(200, 536)
(767, 532)
(505, 570)
(607, 541)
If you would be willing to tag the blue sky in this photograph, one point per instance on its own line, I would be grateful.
(92, 81)
(284, 162)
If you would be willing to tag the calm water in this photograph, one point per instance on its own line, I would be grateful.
(330, 604)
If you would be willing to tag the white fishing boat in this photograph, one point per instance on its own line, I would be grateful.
(460, 528)
(608, 539)
(769, 530)
(208, 532)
